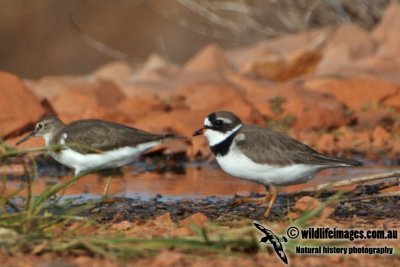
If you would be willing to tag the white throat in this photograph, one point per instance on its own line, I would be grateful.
(47, 138)
(216, 137)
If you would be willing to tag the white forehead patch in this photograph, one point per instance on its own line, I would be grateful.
(226, 120)
(207, 122)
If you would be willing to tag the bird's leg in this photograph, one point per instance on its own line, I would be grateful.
(272, 192)
(263, 199)
(244, 200)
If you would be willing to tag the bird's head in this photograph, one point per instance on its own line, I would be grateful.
(45, 127)
(218, 126)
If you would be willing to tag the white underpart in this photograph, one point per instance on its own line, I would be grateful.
(216, 137)
(239, 165)
(109, 159)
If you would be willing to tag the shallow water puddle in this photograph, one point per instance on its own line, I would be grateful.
(196, 182)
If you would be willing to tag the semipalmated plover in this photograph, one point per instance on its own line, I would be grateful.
(88, 145)
(262, 155)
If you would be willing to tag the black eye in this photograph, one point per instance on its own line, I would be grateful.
(40, 126)
(218, 123)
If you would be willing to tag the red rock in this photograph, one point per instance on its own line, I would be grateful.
(183, 122)
(208, 97)
(19, 107)
(122, 226)
(307, 137)
(295, 105)
(209, 59)
(356, 92)
(156, 77)
(107, 93)
(74, 102)
(142, 106)
(368, 118)
(346, 44)
(75, 105)
(279, 46)
(326, 144)
(279, 68)
(393, 101)
(198, 218)
(199, 147)
(284, 57)
(182, 231)
(117, 71)
(395, 147)
(163, 88)
(50, 86)
(293, 215)
(162, 225)
(348, 139)
(386, 33)
(380, 137)
(156, 68)
(98, 99)
(307, 203)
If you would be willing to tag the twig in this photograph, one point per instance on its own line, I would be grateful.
(387, 194)
(353, 181)
(101, 47)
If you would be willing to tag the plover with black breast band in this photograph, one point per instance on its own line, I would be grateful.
(89, 145)
(263, 156)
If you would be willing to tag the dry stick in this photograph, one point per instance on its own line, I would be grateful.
(387, 194)
(353, 181)
(388, 184)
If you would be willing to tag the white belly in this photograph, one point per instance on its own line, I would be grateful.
(239, 165)
(110, 159)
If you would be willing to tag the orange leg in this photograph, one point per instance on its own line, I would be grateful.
(244, 200)
(272, 193)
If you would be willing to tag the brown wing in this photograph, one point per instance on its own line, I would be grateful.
(96, 136)
(279, 149)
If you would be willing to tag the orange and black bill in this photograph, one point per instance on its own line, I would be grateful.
(29, 136)
(199, 131)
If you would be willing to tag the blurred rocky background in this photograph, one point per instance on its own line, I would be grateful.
(325, 72)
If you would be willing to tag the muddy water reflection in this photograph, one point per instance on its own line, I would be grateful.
(196, 182)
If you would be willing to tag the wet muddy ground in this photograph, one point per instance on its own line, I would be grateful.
(143, 193)
(225, 209)
(149, 188)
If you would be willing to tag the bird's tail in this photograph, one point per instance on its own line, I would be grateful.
(338, 162)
